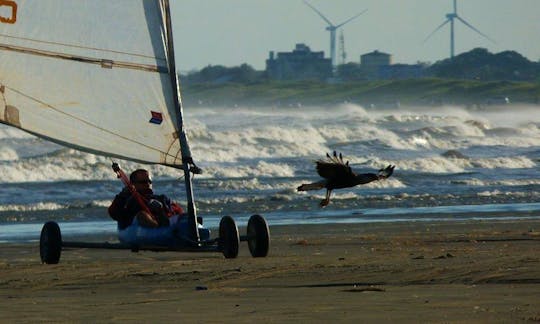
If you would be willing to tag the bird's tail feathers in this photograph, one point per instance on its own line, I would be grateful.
(311, 186)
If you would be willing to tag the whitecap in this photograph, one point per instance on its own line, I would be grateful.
(8, 154)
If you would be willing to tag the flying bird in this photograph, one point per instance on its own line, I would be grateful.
(338, 174)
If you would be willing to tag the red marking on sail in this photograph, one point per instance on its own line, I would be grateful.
(157, 117)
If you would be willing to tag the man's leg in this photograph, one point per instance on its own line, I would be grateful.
(146, 220)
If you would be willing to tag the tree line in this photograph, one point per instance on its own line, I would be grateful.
(477, 64)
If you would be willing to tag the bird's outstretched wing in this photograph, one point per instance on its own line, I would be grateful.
(386, 172)
(333, 167)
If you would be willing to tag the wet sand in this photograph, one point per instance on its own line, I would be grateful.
(487, 272)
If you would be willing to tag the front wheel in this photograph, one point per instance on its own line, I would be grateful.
(229, 239)
(50, 243)
(258, 236)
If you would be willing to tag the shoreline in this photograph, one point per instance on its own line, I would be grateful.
(105, 228)
(473, 271)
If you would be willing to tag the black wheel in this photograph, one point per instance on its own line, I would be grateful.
(229, 239)
(258, 236)
(50, 243)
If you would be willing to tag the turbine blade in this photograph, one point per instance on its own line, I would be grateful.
(320, 14)
(346, 21)
(476, 30)
(436, 30)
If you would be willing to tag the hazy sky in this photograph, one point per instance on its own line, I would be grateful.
(231, 32)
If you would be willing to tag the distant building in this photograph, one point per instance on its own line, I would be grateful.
(370, 63)
(300, 64)
(378, 65)
(375, 59)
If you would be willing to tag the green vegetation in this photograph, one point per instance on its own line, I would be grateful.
(427, 91)
(480, 64)
(476, 77)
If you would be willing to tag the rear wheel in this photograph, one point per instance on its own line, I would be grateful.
(258, 236)
(50, 243)
(229, 239)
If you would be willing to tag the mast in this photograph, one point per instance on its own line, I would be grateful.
(185, 151)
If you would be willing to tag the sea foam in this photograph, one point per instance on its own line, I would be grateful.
(272, 142)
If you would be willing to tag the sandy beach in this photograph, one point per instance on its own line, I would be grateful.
(467, 272)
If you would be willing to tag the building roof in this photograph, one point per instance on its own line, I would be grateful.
(375, 53)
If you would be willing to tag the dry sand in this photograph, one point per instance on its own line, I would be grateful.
(477, 272)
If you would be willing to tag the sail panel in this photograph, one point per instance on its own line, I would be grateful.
(91, 74)
(110, 29)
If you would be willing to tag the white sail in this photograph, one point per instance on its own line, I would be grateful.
(93, 75)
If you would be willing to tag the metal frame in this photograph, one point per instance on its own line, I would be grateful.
(136, 248)
(185, 151)
(205, 246)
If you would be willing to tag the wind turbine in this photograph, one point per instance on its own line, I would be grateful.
(332, 29)
(450, 19)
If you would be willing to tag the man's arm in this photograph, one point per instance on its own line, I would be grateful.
(117, 209)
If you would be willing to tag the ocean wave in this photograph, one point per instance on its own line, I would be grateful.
(8, 132)
(506, 182)
(519, 162)
(433, 165)
(508, 194)
(32, 207)
(53, 206)
(246, 184)
(264, 142)
(71, 165)
(439, 164)
(248, 142)
(261, 169)
(8, 154)
(387, 183)
(308, 132)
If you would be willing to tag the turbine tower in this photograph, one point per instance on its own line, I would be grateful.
(342, 53)
(332, 29)
(450, 19)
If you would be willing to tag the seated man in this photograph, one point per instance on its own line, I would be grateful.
(125, 206)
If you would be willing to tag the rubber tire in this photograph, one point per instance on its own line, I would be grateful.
(258, 236)
(50, 243)
(229, 239)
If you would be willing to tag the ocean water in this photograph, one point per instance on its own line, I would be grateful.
(452, 164)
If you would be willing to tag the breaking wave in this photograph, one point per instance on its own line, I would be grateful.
(246, 142)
